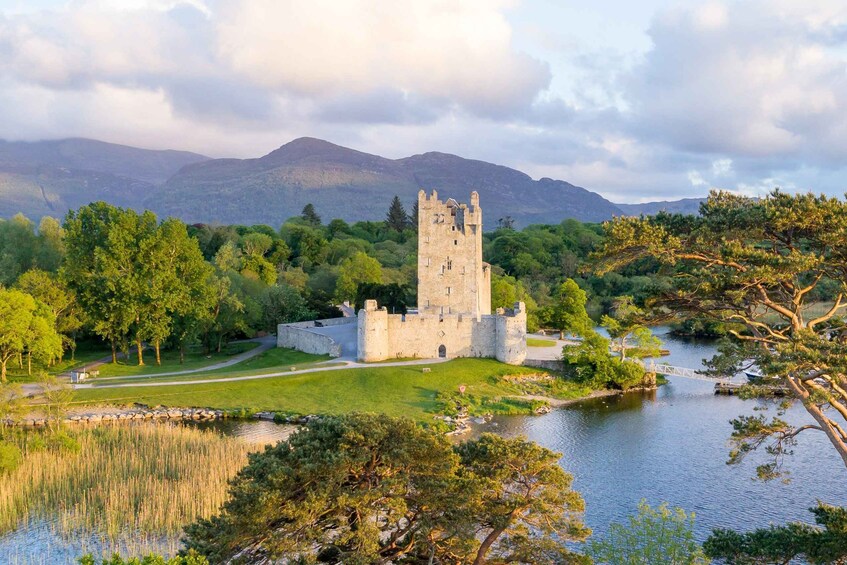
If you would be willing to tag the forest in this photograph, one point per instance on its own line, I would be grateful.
(114, 277)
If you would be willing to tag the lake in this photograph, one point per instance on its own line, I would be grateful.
(664, 446)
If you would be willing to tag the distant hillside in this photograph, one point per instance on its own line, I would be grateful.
(684, 206)
(50, 177)
(349, 184)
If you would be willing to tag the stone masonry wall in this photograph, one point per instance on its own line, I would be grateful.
(299, 336)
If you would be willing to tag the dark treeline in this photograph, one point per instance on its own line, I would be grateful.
(130, 279)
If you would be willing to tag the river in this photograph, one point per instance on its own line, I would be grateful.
(664, 446)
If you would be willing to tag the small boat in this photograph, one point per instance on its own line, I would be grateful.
(758, 377)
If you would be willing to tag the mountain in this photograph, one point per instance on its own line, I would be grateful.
(684, 206)
(352, 185)
(51, 177)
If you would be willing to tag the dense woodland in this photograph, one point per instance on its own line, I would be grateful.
(129, 280)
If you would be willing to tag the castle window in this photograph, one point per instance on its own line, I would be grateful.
(448, 290)
(449, 265)
(455, 242)
(453, 228)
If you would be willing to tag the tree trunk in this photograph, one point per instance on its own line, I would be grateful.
(114, 353)
(3, 370)
(20, 360)
(29, 363)
(181, 354)
(220, 339)
(158, 354)
(486, 545)
(140, 349)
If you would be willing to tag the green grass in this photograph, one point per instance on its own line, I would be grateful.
(274, 360)
(83, 357)
(397, 391)
(195, 358)
(535, 342)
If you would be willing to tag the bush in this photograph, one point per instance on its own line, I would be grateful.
(191, 558)
(10, 457)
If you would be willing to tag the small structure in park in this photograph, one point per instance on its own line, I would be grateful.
(454, 316)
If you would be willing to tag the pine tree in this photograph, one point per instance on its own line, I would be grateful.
(396, 218)
(413, 217)
(310, 215)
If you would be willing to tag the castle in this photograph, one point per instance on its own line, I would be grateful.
(453, 317)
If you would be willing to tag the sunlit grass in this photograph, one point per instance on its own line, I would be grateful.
(535, 342)
(144, 478)
(195, 358)
(398, 391)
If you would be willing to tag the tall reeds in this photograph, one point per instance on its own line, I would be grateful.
(145, 479)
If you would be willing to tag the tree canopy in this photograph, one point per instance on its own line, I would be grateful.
(758, 264)
(375, 489)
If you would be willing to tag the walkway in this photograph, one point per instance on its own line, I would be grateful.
(265, 343)
(343, 366)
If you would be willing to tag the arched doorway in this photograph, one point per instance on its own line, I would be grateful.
(442, 351)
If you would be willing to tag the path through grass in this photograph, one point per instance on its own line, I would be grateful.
(397, 391)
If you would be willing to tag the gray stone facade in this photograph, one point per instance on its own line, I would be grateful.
(454, 296)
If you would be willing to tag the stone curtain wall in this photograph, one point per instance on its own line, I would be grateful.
(302, 337)
(383, 336)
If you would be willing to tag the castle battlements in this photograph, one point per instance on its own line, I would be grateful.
(454, 296)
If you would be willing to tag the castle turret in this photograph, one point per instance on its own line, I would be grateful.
(372, 338)
(511, 334)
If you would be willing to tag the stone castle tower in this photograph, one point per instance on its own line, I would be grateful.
(452, 278)
(454, 296)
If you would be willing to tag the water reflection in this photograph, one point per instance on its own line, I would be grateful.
(671, 445)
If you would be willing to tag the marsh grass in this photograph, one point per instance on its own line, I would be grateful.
(146, 479)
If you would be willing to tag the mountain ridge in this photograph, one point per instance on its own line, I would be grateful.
(50, 177)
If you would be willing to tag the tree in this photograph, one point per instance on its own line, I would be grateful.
(310, 215)
(826, 543)
(526, 508)
(506, 223)
(190, 558)
(256, 244)
(374, 489)
(103, 245)
(57, 397)
(413, 216)
(659, 535)
(391, 296)
(54, 293)
(396, 219)
(569, 313)
(356, 270)
(628, 332)
(282, 304)
(593, 363)
(756, 262)
(25, 327)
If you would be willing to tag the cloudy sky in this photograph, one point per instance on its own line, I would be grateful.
(646, 100)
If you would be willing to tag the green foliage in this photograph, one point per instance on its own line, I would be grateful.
(10, 457)
(354, 271)
(568, 314)
(593, 364)
(391, 296)
(757, 263)
(367, 488)
(26, 327)
(310, 216)
(396, 218)
(191, 558)
(654, 535)
(282, 304)
(783, 544)
(631, 338)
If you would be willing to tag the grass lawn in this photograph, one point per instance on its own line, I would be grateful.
(195, 358)
(398, 391)
(535, 342)
(273, 360)
(82, 357)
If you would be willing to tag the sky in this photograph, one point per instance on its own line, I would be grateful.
(637, 100)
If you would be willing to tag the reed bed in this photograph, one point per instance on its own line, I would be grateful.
(139, 480)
